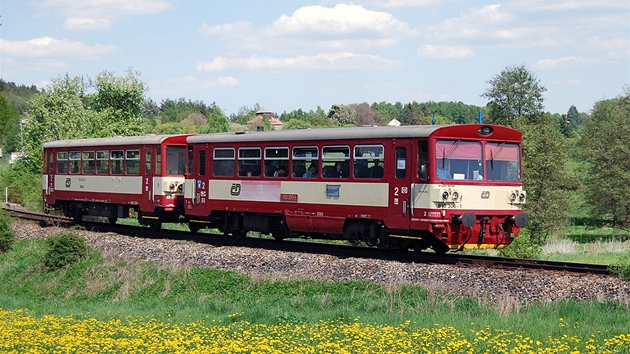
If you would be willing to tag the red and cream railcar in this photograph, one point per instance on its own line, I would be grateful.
(109, 176)
(444, 187)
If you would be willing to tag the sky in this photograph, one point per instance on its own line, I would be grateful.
(286, 55)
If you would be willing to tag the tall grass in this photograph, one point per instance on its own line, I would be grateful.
(105, 288)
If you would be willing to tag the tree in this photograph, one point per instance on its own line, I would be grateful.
(545, 177)
(514, 93)
(517, 101)
(8, 115)
(606, 138)
(342, 114)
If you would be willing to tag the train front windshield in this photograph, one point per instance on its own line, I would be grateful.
(476, 161)
(175, 160)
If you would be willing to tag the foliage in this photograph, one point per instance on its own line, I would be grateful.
(621, 268)
(64, 249)
(514, 93)
(522, 247)
(7, 235)
(24, 180)
(119, 102)
(545, 176)
(65, 110)
(343, 115)
(366, 116)
(18, 96)
(516, 100)
(606, 138)
(7, 113)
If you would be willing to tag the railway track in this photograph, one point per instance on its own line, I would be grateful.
(338, 250)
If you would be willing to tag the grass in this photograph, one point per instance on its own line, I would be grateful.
(107, 289)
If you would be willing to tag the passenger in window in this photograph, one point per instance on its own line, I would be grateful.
(312, 171)
(280, 173)
(443, 174)
(338, 169)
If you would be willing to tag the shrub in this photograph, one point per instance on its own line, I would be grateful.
(7, 235)
(621, 268)
(64, 249)
(522, 247)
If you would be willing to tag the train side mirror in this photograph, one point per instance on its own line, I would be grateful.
(423, 172)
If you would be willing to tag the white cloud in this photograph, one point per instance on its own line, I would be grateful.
(328, 61)
(47, 47)
(341, 21)
(89, 24)
(554, 63)
(314, 29)
(100, 14)
(445, 52)
(193, 83)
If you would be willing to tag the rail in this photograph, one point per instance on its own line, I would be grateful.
(334, 249)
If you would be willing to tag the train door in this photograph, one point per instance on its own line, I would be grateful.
(49, 172)
(399, 213)
(147, 174)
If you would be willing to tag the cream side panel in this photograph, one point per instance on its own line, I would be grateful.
(372, 194)
(45, 183)
(470, 197)
(99, 184)
(162, 185)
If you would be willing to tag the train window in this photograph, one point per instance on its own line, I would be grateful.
(202, 162)
(88, 162)
(223, 162)
(423, 159)
(175, 160)
(132, 162)
(458, 160)
(502, 162)
(62, 162)
(190, 160)
(50, 163)
(158, 161)
(303, 158)
(102, 162)
(117, 157)
(75, 162)
(401, 163)
(147, 162)
(336, 161)
(277, 162)
(249, 162)
(368, 161)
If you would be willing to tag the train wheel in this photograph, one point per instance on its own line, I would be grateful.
(76, 214)
(194, 227)
(239, 234)
(155, 225)
(112, 220)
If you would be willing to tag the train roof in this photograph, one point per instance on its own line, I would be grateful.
(453, 130)
(150, 139)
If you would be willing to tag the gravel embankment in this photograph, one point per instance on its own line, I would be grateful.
(507, 288)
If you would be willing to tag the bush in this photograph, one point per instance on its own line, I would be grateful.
(64, 249)
(621, 268)
(522, 247)
(7, 235)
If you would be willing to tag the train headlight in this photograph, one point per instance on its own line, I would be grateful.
(455, 195)
(521, 197)
(513, 197)
(171, 186)
(445, 195)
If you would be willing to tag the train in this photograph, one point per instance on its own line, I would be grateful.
(444, 187)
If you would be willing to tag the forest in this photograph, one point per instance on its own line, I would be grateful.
(575, 163)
